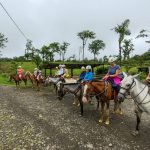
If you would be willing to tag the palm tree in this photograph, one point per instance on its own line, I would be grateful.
(63, 49)
(96, 46)
(143, 34)
(84, 36)
(127, 48)
(122, 30)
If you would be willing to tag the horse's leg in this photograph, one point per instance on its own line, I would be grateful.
(102, 111)
(138, 120)
(98, 99)
(81, 105)
(107, 113)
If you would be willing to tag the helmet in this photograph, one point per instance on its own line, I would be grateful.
(35, 69)
(88, 67)
(82, 68)
(56, 67)
(63, 66)
(60, 66)
(111, 59)
(19, 66)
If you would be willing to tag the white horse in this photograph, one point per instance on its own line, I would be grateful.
(139, 93)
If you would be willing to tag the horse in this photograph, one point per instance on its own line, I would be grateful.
(17, 79)
(103, 90)
(139, 93)
(77, 90)
(34, 80)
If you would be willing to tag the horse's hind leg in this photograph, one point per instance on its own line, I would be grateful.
(102, 112)
(107, 113)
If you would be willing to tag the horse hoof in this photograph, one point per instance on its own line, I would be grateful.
(135, 133)
(100, 121)
(107, 122)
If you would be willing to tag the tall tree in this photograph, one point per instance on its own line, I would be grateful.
(54, 48)
(127, 48)
(29, 51)
(63, 49)
(84, 36)
(44, 52)
(122, 30)
(144, 34)
(3, 40)
(96, 46)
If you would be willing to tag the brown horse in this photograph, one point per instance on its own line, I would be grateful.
(34, 80)
(17, 79)
(104, 90)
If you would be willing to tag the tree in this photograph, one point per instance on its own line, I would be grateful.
(96, 46)
(122, 30)
(127, 48)
(143, 34)
(84, 36)
(3, 40)
(63, 49)
(37, 60)
(44, 52)
(54, 48)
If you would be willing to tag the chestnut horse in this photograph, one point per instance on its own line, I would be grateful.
(18, 80)
(34, 80)
(102, 89)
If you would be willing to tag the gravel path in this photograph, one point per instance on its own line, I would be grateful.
(31, 120)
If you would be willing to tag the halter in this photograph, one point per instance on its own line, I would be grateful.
(127, 90)
(98, 94)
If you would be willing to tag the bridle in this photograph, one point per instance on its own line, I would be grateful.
(127, 90)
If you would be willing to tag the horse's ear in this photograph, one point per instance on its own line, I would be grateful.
(124, 74)
(136, 75)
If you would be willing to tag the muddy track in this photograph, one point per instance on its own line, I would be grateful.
(37, 120)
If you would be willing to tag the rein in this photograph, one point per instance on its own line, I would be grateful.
(98, 94)
(127, 90)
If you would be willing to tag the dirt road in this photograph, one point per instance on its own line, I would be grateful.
(31, 120)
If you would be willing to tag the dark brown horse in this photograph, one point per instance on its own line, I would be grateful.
(17, 79)
(102, 89)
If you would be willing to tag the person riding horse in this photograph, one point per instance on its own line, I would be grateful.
(20, 72)
(66, 73)
(82, 74)
(37, 73)
(88, 75)
(113, 76)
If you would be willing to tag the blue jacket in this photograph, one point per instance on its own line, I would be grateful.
(82, 75)
(88, 76)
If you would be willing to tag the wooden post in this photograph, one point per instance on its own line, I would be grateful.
(50, 71)
(45, 72)
(71, 72)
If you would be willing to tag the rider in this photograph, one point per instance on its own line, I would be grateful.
(61, 70)
(66, 74)
(35, 72)
(113, 75)
(56, 72)
(39, 73)
(148, 76)
(89, 75)
(82, 74)
(20, 72)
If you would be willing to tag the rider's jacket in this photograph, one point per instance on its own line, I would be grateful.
(88, 76)
(82, 75)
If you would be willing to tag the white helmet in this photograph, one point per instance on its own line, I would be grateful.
(111, 59)
(19, 66)
(88, 67)
(63, 66)
(82, 68)
(60, 66)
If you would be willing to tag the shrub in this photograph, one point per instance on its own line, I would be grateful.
(133, 70)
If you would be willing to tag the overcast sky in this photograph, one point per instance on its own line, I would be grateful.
(46, 21)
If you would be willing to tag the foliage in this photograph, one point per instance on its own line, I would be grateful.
(96, 46)
(133, 70)
(122, 30)
(84, 36)
(3, 40)
(63, 49)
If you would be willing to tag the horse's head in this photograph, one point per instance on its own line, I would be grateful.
(126, 85)
(88, 91)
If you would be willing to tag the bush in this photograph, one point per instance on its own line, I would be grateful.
(133, 70)
(101, 70)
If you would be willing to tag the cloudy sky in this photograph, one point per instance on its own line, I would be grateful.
(46, 21)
